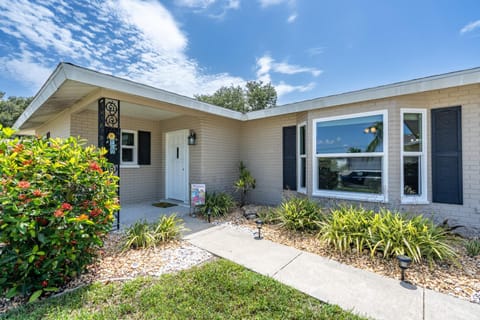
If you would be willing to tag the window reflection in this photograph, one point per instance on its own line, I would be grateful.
(411, 176)
(354, 135)
(412, 129)
(356, 174)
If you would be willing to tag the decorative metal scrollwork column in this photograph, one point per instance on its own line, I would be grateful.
(109, 135)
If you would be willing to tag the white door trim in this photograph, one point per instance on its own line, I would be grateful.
(186, 164)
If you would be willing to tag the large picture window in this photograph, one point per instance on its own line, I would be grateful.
(413, 159)
(349, 158)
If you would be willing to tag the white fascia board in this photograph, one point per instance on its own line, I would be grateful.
(444, 81)
(130, 87)
(53, 83)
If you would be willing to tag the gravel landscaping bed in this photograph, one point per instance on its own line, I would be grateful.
(461, 281)
(115, 265)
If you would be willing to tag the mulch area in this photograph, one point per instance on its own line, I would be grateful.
(462, 280)
(114, 264)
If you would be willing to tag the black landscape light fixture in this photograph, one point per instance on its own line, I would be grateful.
(259, 224)
(404, 263)
(209, 215)
(192, 138)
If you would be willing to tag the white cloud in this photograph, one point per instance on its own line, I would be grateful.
(25, 69)
(283, 88)
(154, 22)
(283, 67)
(268, 3)
(470, 27)
(266, 65)
(216, 9)
(290, 3)
(135, 39)
(315, 51)
(194, 3)
(233, 4)
(292, 18)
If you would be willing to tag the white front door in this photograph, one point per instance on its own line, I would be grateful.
(177, 165)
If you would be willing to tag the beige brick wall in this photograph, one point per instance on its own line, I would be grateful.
(142, 183)
(214, 159)
(85, 125)
(222, 143)
(468, 98)
(59, 127)
(137, 184)
(261, 150)
(219, 141)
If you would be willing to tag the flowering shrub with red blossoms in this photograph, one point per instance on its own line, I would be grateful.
(57, 200)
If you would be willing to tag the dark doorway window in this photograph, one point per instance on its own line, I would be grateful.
(447, 181)
(290, 158)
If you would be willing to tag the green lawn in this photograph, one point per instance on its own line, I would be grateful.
(216, 290)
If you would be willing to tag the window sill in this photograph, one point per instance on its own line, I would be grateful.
(413, 201)
(352, 196)
(129, 166)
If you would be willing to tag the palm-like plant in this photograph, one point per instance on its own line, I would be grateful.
(244, 183)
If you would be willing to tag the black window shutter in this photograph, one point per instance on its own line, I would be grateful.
(144, 149)
(447, 180)
(290, 158)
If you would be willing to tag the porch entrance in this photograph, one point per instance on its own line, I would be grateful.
(177, 165)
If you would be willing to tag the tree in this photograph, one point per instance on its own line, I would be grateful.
(260, 96)
(12, 108)
(228, 97)
(255, 96)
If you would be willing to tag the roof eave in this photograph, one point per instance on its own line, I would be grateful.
(51, 86)
(134, 88)
(437, 82)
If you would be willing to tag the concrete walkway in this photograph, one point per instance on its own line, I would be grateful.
(132, 213)
(362, 292)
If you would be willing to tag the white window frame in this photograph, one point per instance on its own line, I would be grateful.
(300, 157)
(134, 163)
(383, 197)
(422, 198)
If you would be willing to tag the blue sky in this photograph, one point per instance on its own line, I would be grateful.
(306, 48)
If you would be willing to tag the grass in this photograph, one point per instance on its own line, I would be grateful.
(216, 290)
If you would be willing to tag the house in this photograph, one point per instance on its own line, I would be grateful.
(412, 145)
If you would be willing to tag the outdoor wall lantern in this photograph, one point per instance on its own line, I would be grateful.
(404, 263)
(192, 138)
(259, 227)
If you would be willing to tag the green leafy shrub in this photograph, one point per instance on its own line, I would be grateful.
(57, 200)
(245, 183)
(144, 235)
(388, 233)
(302, 214)
(473, 247)
(139, 235)
(218, 204)
(269, 215)
(346, 228)
(168, 228)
